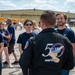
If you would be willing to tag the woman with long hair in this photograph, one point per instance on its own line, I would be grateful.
(6, 36)
(35, 28)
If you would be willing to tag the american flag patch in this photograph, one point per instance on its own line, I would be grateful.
(26, 45)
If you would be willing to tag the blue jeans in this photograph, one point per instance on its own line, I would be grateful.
(0, 67)
(65, 72)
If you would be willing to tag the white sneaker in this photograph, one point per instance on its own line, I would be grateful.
(10, 66)
(3, 66)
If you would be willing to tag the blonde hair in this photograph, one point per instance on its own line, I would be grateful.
(35, 26)
(1, 22)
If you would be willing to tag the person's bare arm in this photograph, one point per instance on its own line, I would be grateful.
(10, 37)
(6, 36)
(73, 44)
(20, 48)
(1, 47)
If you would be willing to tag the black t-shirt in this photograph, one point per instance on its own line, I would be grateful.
(22, 39)
(68, 33)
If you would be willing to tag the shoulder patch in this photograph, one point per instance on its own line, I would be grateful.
(26, 45)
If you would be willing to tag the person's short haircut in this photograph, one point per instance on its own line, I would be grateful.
(28, 20)
(65, 16)
(48, 17)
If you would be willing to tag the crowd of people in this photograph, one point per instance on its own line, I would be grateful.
(43, 51)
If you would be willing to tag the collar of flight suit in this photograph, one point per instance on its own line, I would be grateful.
(48, 30)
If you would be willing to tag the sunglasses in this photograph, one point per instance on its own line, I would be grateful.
(28, 24)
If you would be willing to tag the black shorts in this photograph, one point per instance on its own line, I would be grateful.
(5, 44)
(74, 60)
(11, 48)
(0, 67)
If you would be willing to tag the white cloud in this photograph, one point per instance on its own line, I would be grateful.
(47, 1)
(7, 3)
(69, 2)
(56, 5)
(41, 4)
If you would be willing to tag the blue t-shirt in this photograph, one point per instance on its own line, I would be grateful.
(1, 38)
(68, 33)
(11, 30)
(6, 32)
(22, 39)
(1, 41)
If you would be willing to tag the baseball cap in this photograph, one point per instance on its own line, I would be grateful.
(8, 20)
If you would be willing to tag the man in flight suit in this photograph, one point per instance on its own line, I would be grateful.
(46, 53)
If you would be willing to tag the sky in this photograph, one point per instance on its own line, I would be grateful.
(55, 5)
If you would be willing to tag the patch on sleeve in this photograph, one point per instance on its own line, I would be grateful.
(26, 45)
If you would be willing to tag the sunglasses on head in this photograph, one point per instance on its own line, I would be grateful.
(28, 24)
